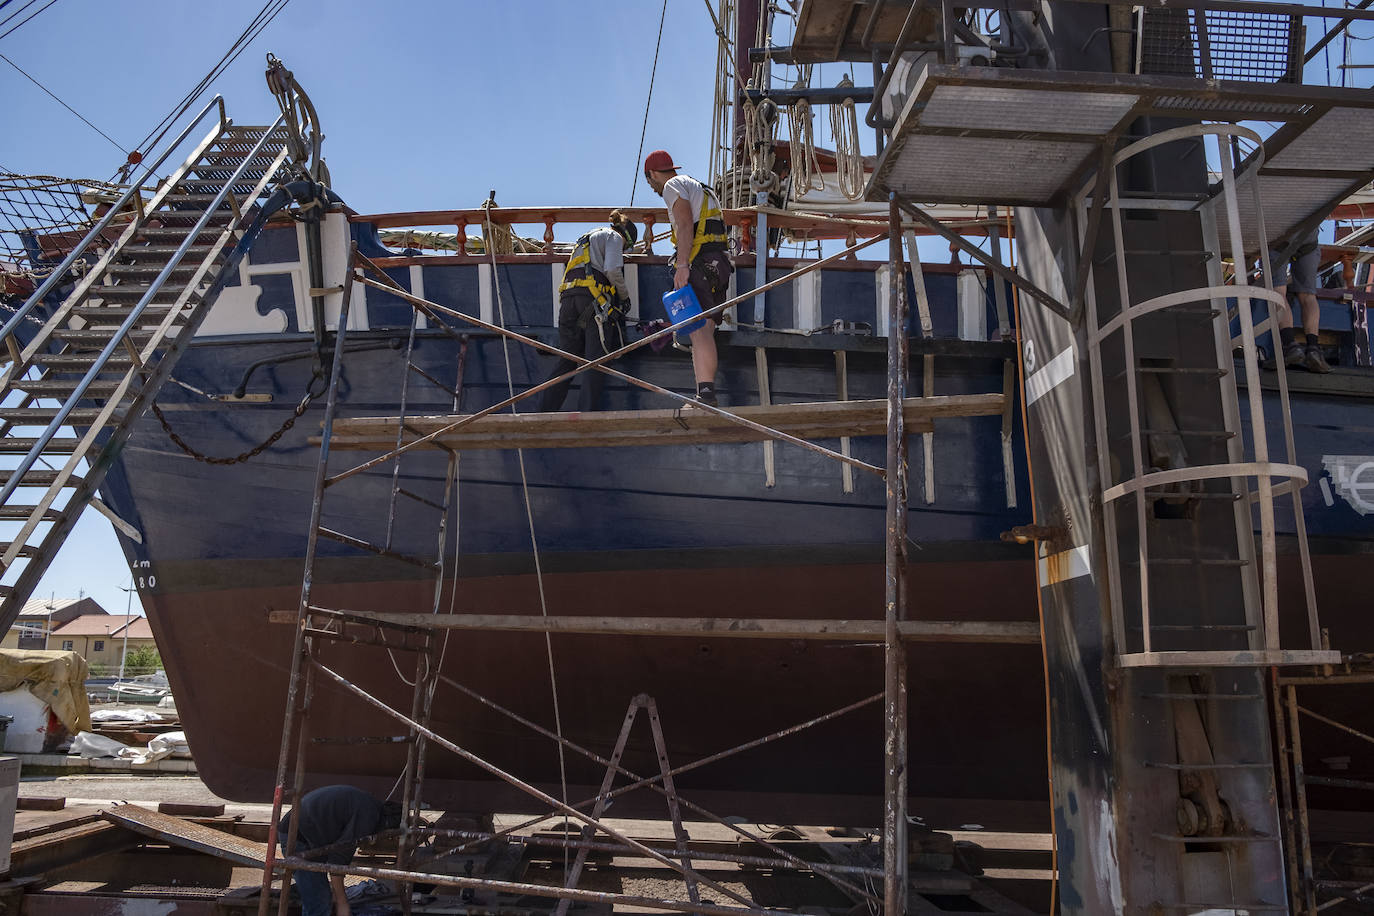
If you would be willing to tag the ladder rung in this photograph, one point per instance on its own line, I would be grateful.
(230, 160)
(22, 445)
(126, 292)
(420, 499)
(35, 416)
(89, 336)
(97, 312)
(175, 232)
(61, 388)
(132, 270)
(157, 251)
(75, 362)
(195, 199)
(12, 512)
(373, 548)
(37, 477)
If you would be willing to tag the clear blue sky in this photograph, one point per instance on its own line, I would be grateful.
(426, 105)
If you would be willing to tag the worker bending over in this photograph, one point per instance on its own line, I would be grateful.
(329, 816)
(592, 303)
(700, 257)
(1305, 259)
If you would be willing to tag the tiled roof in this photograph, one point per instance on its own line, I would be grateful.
(43, 607)
(103, 625)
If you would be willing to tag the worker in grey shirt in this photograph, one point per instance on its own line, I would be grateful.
(592, 303)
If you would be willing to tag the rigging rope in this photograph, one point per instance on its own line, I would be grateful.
(19, 12)
(264, 17)
(534, 542)
(844, 127)
(644, 128)
(806, 169)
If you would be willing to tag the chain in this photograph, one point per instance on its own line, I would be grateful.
(310, 395)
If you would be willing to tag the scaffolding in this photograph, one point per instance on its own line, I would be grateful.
(397, 437)
(953, 143)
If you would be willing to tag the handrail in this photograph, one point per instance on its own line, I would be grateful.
(134, 187)
(153, 288)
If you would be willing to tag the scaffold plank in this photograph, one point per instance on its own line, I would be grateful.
(942, 631)
(686, 426)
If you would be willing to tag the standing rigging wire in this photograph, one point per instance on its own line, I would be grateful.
(264, 18)
(529, 516)
(62, 103)
(644, 128)
(20, 12)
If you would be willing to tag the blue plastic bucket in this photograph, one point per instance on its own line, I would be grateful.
(682, 304)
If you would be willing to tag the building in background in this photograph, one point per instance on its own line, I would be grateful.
(34, 626)
(102, 639)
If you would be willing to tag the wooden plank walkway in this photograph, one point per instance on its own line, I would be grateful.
(681, 426)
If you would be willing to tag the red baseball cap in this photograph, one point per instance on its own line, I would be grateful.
(659, 161)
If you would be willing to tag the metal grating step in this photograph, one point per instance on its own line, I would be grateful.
(184, 269)
(38, 477)
(97, 313)
(60, 388)
(68, 361)
(132, 292)
(12, 512)
(98, 337)
(22, 445)
(41, 416)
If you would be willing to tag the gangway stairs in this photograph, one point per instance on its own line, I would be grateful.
(80, 373)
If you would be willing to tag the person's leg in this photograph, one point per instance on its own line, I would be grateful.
(1305, 285)
(704, 357)
(569, 341)
(316, 897)
(592, 381)
(709, 280)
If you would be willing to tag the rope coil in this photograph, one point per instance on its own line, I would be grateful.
(844, 126)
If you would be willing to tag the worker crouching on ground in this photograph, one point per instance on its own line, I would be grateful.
(592, 303)
(700, 257)
(1304, 258)
(330, 816)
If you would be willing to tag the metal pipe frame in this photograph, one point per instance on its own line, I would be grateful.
(523, 786)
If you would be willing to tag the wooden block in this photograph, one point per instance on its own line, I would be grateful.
(185, 810)
(30, 803)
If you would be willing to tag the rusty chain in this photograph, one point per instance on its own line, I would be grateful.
(310, 395)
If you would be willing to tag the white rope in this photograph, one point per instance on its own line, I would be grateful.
(849, 163)
(534, 542)
(806, 169)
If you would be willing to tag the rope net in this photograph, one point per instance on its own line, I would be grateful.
(42, 218)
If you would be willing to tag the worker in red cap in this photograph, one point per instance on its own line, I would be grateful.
(700, 257)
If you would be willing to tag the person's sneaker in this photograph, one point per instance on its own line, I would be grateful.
(708, 398)
(1295, 354)
(1314, 361)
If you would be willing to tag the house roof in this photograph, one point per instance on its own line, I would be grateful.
(105, 625)
(46, 608)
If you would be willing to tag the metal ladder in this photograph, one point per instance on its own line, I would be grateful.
(321, 630)
(1194, 591)
(82, 373)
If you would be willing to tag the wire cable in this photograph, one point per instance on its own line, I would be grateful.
(20, 12)
(270, 10)
(644, 128)
(62, 103)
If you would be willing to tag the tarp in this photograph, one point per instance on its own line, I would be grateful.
(56, 678)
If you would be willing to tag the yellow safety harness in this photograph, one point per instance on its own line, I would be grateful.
(580, 274)
(710, 228)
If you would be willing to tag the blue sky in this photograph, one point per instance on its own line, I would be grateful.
(425, 106)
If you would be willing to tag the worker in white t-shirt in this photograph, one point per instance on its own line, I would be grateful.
(700, 258)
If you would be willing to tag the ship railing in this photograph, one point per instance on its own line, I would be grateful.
(117, 210)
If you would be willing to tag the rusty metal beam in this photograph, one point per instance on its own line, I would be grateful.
(930, 631)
